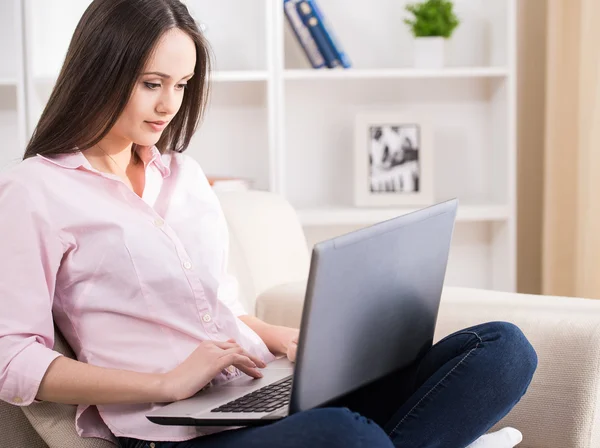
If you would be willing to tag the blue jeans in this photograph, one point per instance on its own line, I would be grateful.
(455, 393)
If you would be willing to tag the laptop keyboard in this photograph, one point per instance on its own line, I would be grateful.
(265, 399)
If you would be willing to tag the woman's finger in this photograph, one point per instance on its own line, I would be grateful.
(259, 362)
(243, 363)
(292, 351)
(231, 351)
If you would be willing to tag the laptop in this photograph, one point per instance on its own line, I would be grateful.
(370, 309)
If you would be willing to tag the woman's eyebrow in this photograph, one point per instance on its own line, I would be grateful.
(164, 75)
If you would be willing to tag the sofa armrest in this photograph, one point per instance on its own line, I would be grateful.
(282, 304)
(562, 406)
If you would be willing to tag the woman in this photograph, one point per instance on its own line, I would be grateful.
(116, 235)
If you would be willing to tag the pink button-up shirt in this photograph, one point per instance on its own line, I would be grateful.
(132, 283)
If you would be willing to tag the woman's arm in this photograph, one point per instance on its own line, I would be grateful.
(277, 338)
(72, 382)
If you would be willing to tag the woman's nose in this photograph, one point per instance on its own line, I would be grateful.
(169, 103)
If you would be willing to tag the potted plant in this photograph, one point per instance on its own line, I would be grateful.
(432, 22)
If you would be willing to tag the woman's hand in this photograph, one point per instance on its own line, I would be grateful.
(204, 364)
(292, 349)
(280, 340)
(286, 341)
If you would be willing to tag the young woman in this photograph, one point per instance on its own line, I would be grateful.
(112, 233)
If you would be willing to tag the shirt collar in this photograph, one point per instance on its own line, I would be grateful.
(72, 160)
(151, 154)
(76, 159)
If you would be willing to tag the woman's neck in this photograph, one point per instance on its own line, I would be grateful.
(120, 162)
(120, 152)
(111, 156)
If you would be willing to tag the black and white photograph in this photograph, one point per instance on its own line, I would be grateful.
(394, 158)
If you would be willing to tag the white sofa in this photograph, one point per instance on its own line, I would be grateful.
(270, 258)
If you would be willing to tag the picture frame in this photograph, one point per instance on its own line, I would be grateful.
(393, 159)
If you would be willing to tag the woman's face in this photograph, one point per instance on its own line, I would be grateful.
(158, 93)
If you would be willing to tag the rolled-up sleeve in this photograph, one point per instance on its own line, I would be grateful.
(30, 256)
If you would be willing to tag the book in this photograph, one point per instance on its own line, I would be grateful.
(308, 44)
(331, 37)
(318, 32)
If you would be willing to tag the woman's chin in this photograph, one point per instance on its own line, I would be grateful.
(150, 140)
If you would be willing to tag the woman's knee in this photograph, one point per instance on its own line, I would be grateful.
(340, 427)
(513, 351)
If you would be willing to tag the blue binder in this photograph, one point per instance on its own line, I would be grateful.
(319, 33)
(305, 38)
(331, 37)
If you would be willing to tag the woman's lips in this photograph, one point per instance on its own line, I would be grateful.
(157, 126)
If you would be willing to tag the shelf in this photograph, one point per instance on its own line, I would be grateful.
(337, 216)
(11, 82)
(222, 76)
(408, 73)
(239, 76)
(337, 74)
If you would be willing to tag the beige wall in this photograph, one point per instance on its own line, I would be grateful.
(530, 141)
(571, 244)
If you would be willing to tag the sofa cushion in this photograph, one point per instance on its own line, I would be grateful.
(54, 422)
(15, 430)
(269, 240)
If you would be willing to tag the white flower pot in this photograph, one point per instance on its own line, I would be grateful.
(430, 52)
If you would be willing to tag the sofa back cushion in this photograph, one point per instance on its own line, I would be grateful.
(267, 243)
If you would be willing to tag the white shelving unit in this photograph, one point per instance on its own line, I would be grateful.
(471, 104)
(12, 89)
(289, 128)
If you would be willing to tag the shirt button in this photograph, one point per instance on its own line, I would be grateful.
(206, 318)
(17, 400)
(187, 265)
(159, 222)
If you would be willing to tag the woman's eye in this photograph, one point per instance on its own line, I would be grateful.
(152, 85)
(181, 86)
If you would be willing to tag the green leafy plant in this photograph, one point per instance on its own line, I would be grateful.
(432, 18)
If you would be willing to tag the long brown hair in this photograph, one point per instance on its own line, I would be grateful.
(109, 49)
